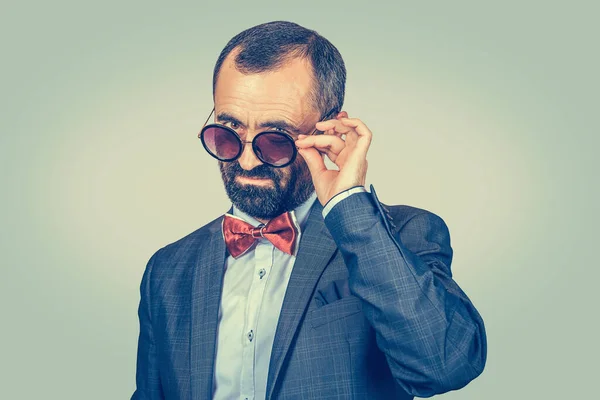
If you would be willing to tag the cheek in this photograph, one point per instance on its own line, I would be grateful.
(225, 170)
(284, 176)
(299, 170)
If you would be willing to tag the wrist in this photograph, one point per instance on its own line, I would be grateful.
(334, 200)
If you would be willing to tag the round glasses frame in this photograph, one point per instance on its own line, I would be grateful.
(255, 149)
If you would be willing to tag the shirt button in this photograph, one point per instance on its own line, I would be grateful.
(250, 335)
(262, 273)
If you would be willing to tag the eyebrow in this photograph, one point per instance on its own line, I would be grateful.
(277, 124)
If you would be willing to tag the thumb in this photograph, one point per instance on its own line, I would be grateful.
(314, 160)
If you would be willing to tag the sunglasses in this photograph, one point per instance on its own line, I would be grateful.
(274, 148)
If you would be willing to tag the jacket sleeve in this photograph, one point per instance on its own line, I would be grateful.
(148, 386)
(431, 334)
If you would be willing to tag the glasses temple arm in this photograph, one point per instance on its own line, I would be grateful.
(325, 118)
(209, 115)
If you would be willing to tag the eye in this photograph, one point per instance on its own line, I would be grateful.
(232, 125)
(279, 129)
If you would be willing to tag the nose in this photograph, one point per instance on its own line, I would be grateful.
(248, 159)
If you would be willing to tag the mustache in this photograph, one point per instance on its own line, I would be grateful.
(261, 171)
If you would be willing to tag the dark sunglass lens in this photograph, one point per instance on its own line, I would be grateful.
(274, 148)
(221, 143)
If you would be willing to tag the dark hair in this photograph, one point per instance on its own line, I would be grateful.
(269, 46)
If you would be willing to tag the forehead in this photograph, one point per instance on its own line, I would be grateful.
(283, 93)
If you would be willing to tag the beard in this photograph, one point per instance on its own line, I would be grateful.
(291, 187)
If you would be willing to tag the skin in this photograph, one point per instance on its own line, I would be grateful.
(284, 94)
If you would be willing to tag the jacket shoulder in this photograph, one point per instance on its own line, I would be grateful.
(186, 246)
(402, 214)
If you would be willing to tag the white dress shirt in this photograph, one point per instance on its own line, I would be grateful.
(254, 286)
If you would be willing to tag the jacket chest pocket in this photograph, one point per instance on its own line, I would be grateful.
(339, 309)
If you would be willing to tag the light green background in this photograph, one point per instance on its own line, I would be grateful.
(486, 114)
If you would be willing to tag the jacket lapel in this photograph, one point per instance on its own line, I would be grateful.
(315, 250)
(205, 299)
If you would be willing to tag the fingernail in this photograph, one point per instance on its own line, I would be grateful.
(301, 136)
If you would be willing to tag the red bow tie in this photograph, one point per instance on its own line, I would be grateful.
(240, 235)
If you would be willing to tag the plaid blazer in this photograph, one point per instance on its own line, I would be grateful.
(371, 311)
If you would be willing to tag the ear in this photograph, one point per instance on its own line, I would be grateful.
(341, 114)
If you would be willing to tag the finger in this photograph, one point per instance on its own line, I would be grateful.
(360, 135)
(357, 125)
(322, 143)
(329, 145)
(334, 124)
(332, 156)
(332, 132)
(314, 161)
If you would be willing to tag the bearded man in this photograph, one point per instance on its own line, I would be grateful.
(308, 287)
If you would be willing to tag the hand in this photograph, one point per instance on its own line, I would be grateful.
(350, 155)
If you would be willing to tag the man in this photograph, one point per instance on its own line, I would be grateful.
(309, 288)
